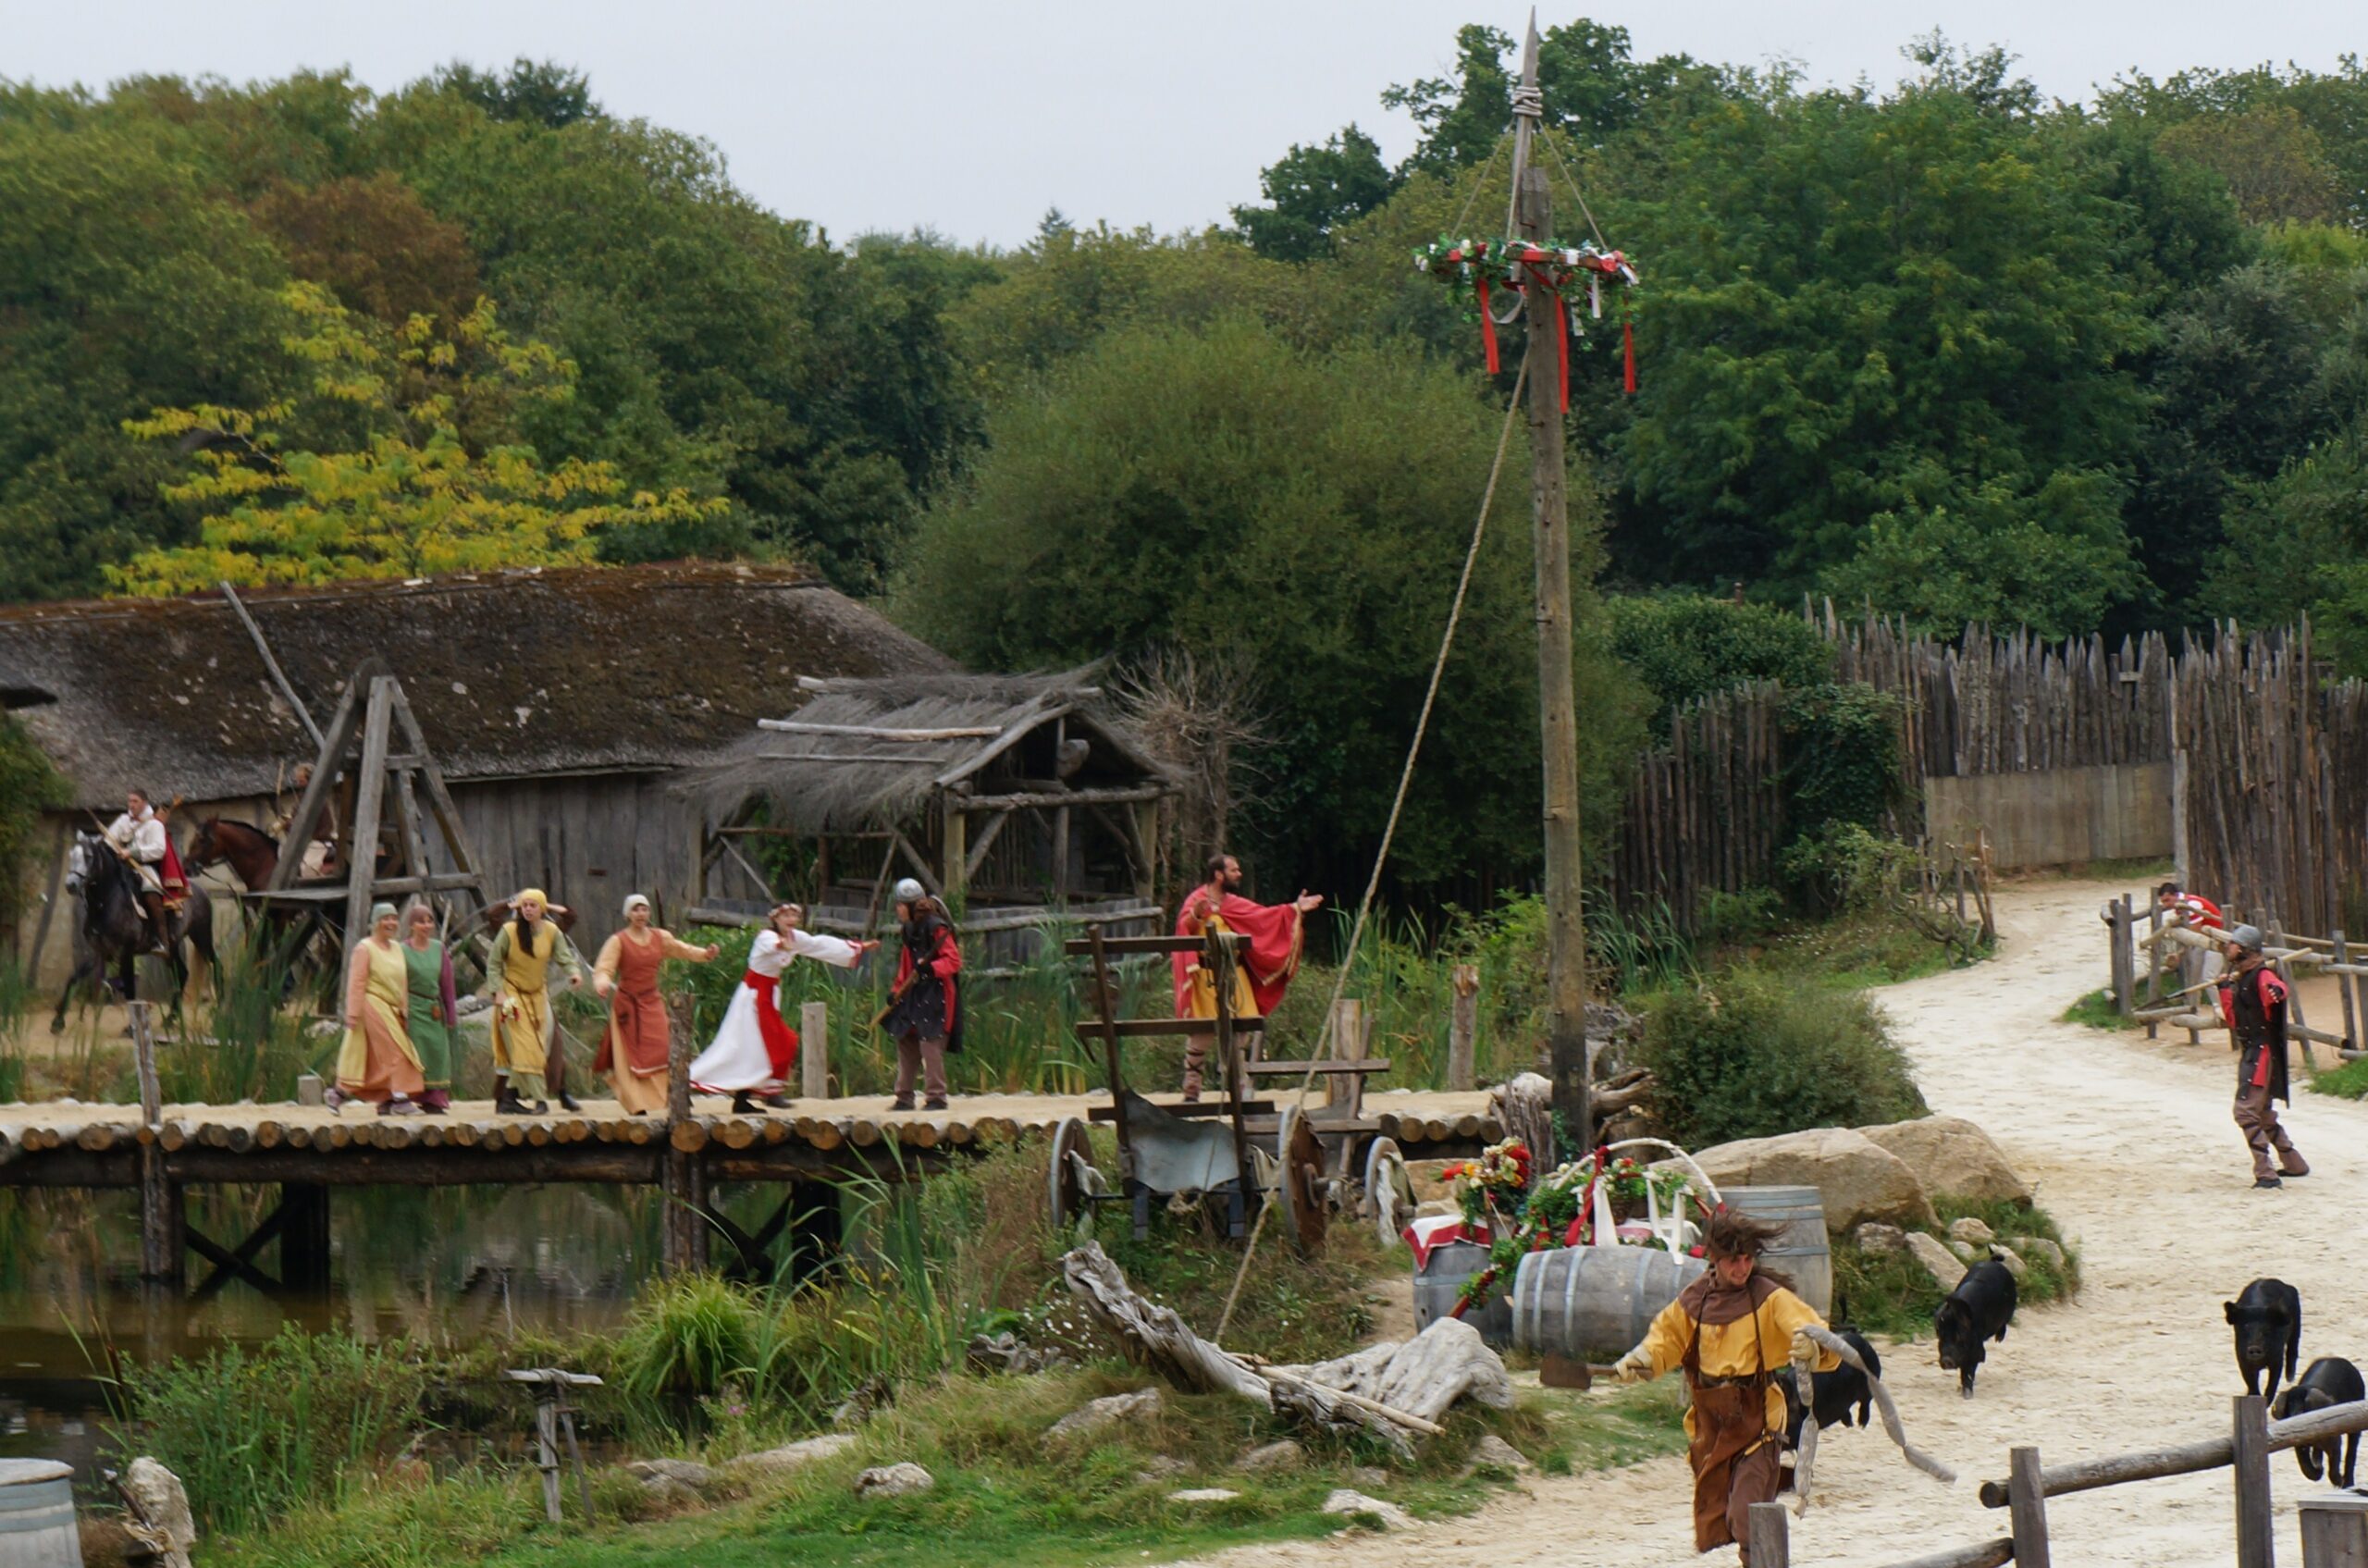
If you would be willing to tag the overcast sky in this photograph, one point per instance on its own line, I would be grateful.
(973, 117)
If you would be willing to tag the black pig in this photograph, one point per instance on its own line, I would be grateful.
(2267, 1317)
(1979, 1309)
(2330, 1380)
(1835, 1396)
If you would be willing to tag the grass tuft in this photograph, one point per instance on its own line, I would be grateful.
(2097, 1011)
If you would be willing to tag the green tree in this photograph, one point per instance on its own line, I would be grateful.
(425, 485)
(1304, 512)
(1310, 192)
(544, 91)
(2273, 163)
(1686, 647)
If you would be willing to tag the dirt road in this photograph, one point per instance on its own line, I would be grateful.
(2130, 1145)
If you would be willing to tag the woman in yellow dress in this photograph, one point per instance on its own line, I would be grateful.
(518, 974)
(378, 1061)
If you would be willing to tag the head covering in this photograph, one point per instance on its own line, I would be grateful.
(909, 891)
(381, 912)
(634, 898)
(2247, 937)
(537, 894)
(418, 906)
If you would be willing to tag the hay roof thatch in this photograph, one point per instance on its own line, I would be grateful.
(944, 729)
(512, 673)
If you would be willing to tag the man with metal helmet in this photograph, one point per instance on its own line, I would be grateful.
(924, 1014)
(2252, 1003)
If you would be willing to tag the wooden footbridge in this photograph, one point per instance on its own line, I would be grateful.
(160, 1150)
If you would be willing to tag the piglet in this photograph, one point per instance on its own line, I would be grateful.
(1979, 1309)
(2328, 1380)
(2267, 1317)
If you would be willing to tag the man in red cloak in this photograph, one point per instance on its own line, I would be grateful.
(1276, 933)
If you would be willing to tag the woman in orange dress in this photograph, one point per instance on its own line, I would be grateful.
(634, 1049)
(378, 1060)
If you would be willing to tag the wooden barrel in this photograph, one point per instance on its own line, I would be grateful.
(1801, 1253)
(1440, 1281)
(1593, 1303)
(37, 1527)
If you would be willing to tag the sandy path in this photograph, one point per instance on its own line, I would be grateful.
(2130, 1145)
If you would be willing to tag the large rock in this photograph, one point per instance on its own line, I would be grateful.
(1973, 1232)
(682, 1472)
(1095, 1416)
(1857, 1179)
(1880, 1239)
(792, 1456)
(894, 1480)
(1954, 1157)
(1393, 1517)
(1271, 1457)
(1938, 1261)
(2041, 1247)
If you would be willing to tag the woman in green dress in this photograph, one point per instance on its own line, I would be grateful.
(435, 1013)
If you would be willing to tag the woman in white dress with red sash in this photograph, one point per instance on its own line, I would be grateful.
(755, 1048)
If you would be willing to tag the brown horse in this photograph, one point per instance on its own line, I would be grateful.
(251, 853)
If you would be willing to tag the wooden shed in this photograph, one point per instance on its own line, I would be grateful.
(561, 705)
(1020, 800)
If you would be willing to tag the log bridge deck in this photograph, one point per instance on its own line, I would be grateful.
(306, 1150)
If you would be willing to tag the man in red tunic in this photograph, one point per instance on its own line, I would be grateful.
(1276, 934)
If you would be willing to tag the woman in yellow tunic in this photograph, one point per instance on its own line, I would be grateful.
(518, 973)
(636, 1049)
(1731, 1330)
(377, 1062)
(1200, 997)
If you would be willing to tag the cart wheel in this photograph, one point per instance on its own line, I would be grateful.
(1299, 1183)
(1389, 1190)
(1064, 1190)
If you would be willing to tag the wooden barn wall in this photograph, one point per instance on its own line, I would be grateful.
(587, 840)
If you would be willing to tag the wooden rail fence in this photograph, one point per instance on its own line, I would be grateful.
(2253, 1438)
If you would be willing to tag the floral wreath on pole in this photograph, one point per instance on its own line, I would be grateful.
(1514, 265)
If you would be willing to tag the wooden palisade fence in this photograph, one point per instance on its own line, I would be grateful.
(1705, 811)
(2254, 1439)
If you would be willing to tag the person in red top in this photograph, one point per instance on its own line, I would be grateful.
(1276, 932)
(2199, 912)
(2252, 1001)
(924, 1014)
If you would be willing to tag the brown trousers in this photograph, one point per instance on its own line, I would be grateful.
(2256, 1113)
(1729, 1474)
(924, 1060)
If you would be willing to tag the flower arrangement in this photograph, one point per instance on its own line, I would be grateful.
(1492, 1188)
(1481, 265)
(1560, 1213)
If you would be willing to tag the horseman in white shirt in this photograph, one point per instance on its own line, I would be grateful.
(139, 836)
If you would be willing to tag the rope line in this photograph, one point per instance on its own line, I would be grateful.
(1571, 180)
(1389, 830)
(1473, 199)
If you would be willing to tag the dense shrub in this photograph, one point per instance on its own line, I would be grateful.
(1751, 1055)
(1841, 756)
(1685, 647)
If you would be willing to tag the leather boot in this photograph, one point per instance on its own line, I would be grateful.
(506, 1102)
(744, 1104)
(566, 1101)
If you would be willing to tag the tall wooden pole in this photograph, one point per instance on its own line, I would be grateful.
(1566, 975)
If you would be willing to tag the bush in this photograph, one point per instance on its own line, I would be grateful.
(1841, 756)
(1751, 1055)
(1686, 647)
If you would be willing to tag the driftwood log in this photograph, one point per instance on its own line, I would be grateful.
(1391, 1390)
(157, 1509)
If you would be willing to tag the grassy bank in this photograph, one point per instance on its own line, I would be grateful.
(1891, 1293)
(2348, 1082)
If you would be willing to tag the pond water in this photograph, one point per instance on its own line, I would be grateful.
(441, 1266)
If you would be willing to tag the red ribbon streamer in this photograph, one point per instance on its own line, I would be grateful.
(1628, 341)
(1487, 327)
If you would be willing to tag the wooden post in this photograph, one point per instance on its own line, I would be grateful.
(2294, 1000)
(2153, 961)
(1769, 1533)
(683, 1247)
(814, 1050)
(369, 792)
(1566, 977)
(2027, 1508)
(2343, 994)
(162, 1223)
(1463, 1030)
(2334, 1531)
(2122, 958)
(1348, 1046)
(304, 1237)
(2256, 1543)
(547, 1447)
(1146, 820)
(955, 878)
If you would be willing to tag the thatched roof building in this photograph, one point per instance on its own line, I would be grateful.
(514, 675)
(1017, 794)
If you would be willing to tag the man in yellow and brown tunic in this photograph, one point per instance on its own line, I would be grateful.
(1731, 1330)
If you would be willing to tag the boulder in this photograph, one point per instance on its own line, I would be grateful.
(1954, 1157)
(1368, 1477)
(1203, 1494)
(1269, 1458)
(792, 1455)
(668, 1493)
(1971, 1231)
(894, 1480)
(682, 1472)
(1967, 1252)
(1857, 1179)
(2012, 1259)
(2038, 1247)
(1094, 1415)
(1492, 1452)
(1937, 1260)
(1161, 1467)
(1393, 1517)
(1878, 1239)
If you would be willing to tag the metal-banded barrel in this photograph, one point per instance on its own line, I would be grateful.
(37, 1527)
(1441, 1279)
(1802, 1254)
(1592, 1303)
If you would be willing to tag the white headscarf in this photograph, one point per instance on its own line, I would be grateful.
(634, 898)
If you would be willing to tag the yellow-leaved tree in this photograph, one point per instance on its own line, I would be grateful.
(400, 459)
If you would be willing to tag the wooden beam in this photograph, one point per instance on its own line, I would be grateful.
(955, 857)
(985, 841)
(845, 757)
(882, 731)
(369, 792)
(919, 864)
(325, 772)
(1020, 727)
(1123, 796)
(2027, 1505)
(278, 676)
